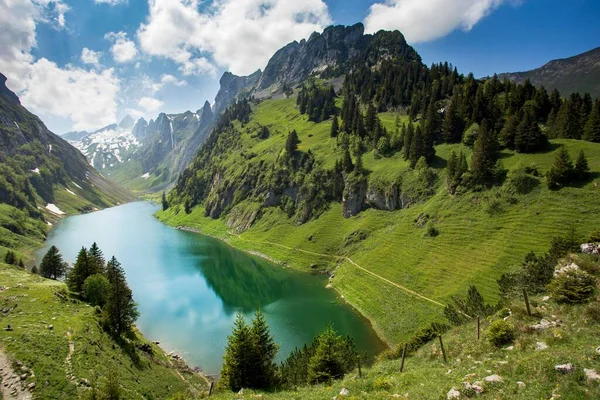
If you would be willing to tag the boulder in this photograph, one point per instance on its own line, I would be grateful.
(353, 199)
(493, 379)
(453, 394)
(566, 268)
(344, 392)
(541, 346)
(591, 374)
(521, 385)
(565, 368)
(598, 350)
(382, 196)
(590, 248)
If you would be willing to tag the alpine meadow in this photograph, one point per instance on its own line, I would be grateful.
(353, 220)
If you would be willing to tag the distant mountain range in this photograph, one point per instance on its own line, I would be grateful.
(580, 73)
(43, 174)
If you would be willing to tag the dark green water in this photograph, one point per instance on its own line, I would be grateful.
(189, 286)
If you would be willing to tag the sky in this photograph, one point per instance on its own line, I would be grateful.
(84, 64)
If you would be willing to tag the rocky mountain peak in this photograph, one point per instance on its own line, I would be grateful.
(231, 85)
(127, 122)
(6, 92)
(140, 129)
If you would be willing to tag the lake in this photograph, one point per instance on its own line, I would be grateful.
(189, 287)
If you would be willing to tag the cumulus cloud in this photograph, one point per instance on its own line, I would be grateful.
(123, 49)
(150, 104)
(90, 56)
(425, 20)
(86, 97)
(240, 35)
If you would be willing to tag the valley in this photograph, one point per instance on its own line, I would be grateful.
(342, 211)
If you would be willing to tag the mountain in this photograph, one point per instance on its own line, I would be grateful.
(405, 183)
(42, 176)
(107, 146)
(163, 147)
(580, 73)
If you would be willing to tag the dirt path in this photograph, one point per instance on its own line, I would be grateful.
(69, 366)
(403, 288)
(11, 387)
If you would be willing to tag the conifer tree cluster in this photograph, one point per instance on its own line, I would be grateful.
(563, 172)
(99, 282)
(249, 360)
(330, 356)
(316, 101)
(11, 258)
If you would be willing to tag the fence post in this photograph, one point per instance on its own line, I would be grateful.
(359, 370)
(403, 357)
(210, 388)
(527, 302)
(443, 350)
(478, 326)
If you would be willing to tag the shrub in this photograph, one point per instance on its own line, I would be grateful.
(573, 286)
(382, 383)
(522, 180)
(500, 333)
(96, 289)
(470, 135)
(592, 313)
(431, 230)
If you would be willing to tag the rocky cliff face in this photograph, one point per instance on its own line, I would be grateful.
(295, 62)
(140, 129)
(230, 86)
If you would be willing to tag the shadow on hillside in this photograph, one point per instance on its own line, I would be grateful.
(129, 348)
(438, 162)
(592, 176)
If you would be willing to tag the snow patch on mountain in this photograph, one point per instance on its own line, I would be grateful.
(54, 209)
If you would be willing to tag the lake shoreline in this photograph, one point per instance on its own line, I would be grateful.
(372, 325)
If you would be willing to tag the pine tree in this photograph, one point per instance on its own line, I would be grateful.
(21, 264)
(568, 119)
(529, 137)
(454, 125)
(582, 168)
(371, 119)
(291, 144)
(347, 164)
(238, 359)
(96, 262)
(358, 166)
(335, 129)
(52, 265)
(562, 169)
(10, 258)
(416, 147)
(408, 138)
(265, 351)
(485, 155)
(165, 203)
(120, 310)
(591, 132)
(327, 363)
(80, 272)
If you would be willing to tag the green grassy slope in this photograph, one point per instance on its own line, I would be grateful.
(475, 245)
(427, 376)
(31, 304)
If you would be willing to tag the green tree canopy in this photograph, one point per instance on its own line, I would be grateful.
(52, 265)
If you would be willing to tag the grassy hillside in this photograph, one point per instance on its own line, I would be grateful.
(384, 264)
(526, 369)
(59, 344)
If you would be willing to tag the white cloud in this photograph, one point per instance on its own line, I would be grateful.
(110, 2)
(123, 49)
(240, 35)
(425, 20)
(90, 56)
(149, 85)
(150, 104)
(86, 97)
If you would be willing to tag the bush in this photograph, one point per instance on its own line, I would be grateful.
(471, 134)
(573, 286)
(96, 289)
(431, 230)
(522, 180)
(500, 333)
(382, 383)
(592, 313)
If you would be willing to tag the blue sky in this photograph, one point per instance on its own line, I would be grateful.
(87, 63)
